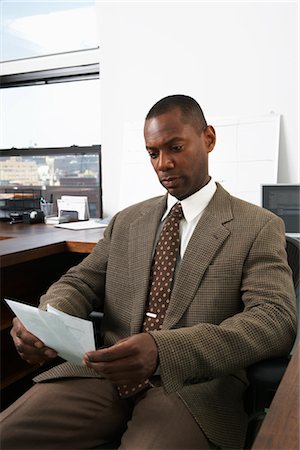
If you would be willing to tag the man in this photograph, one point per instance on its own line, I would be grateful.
(230, 303)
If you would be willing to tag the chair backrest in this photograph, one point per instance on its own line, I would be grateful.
(266, 375)
(293, 255)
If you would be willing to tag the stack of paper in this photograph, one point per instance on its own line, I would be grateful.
(70, 336)
(84, 224)
(73, 204)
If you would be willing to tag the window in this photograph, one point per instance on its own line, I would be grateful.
(50, 102)
(26, 175)
(51, 115)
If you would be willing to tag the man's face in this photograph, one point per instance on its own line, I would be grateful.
(179, 153)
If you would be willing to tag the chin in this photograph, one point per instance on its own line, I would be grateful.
(176, 194)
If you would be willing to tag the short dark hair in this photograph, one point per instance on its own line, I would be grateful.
(190, 110)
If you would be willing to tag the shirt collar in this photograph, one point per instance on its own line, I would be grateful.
(195, 203)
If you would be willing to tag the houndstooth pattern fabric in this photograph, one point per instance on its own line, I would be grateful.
(235, 259)
(163, 269)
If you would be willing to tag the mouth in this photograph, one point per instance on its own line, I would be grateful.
(169, 182)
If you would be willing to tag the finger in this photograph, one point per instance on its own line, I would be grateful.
(18, 330)
(31, 353)
(34, 357)
(131, 368)
(29, 339)
(30, 356)
(117, 351)
(118, 366)
(122, 375)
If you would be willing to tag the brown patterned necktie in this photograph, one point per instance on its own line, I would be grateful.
(161, 282)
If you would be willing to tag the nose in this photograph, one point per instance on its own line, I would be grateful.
(164, 162)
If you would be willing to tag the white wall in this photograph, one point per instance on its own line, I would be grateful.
(236, 59)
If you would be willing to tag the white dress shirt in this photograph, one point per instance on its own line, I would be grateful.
(193, 208)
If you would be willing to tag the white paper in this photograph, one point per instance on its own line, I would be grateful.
(74, 203)
(69, 336)
(83, 225)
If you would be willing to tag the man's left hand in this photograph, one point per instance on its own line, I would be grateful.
(128, 361)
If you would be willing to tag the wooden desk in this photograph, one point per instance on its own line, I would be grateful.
(280, 429)
(21, 242)
(32, 257)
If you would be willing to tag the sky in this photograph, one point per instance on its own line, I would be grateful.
(35, 28)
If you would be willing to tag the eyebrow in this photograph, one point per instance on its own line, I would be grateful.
(170, 141)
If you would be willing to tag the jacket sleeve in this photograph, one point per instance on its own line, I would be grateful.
(82, 288)
(265, 328)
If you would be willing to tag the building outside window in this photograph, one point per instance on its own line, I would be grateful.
(50, 101)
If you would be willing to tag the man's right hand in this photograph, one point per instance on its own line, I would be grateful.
(29, 347)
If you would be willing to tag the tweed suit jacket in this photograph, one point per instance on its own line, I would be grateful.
(232, 303)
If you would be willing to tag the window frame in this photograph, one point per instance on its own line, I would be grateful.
(55, 68)
(51, 151)
(49, 76)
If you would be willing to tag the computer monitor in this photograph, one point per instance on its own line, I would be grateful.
(284, 201)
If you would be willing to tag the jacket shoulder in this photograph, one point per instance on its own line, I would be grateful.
(242, 207)
(252, 210)
(134, 212)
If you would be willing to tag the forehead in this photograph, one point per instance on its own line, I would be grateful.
(165, 126)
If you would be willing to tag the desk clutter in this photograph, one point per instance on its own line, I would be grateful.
(21, 206)
(71, 208)
(29, 206)
(73, 214)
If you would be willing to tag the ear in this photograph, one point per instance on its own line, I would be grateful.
(209, 136)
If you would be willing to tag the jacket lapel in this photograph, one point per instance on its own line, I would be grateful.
(206, 240)
(141, 242)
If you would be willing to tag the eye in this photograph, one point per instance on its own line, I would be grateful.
(153, 155)
(177, 148)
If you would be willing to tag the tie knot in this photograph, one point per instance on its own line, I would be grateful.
(176, 211)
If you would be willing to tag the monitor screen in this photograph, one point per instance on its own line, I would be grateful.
(283, 200)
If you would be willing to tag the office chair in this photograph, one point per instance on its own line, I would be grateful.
(265, 376)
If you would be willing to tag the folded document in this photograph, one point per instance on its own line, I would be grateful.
(69, 336)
